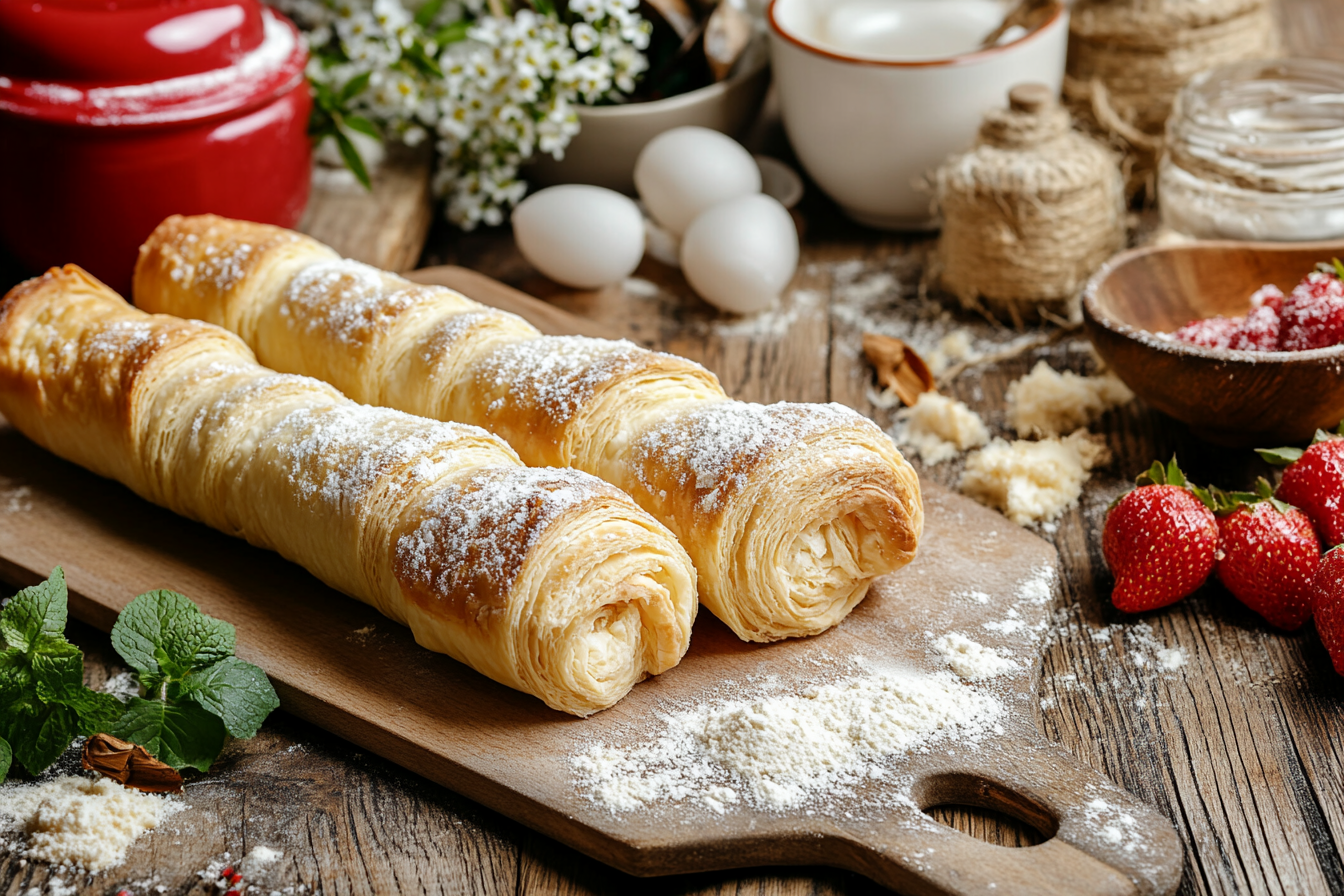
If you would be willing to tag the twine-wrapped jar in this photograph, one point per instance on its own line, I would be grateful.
(1029, 213)
(1128, 58)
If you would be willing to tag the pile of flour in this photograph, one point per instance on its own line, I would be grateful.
(786, 751)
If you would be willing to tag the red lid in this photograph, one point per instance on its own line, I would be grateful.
(142, 62)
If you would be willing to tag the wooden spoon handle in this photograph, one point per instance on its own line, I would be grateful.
(1102, 840)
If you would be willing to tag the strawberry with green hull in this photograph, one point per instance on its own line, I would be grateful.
(1268, 555)
(1328, 596)
(1314, 482)
(1160, 540)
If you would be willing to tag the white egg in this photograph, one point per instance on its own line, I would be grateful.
(686, 171)
(741, 254)
(581, 236)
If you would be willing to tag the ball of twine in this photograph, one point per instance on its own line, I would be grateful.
(1128, 58)
(1029, 213)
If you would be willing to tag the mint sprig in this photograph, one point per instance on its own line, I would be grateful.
(197, 691)
(43, 701)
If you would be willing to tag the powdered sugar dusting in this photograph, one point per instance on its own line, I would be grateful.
(477, 531)
(348, 299)
(339, 453)
(787, 750)
(557, 375)
(714, 446)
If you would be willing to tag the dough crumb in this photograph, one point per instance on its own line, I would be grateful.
(1033, 481)
(969, 659)
(1046, 402)
(939, 428)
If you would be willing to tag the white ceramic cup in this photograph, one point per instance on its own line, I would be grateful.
(872, 102)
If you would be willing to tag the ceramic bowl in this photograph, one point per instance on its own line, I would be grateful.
(611, 137)
(114, 116)
(1236, 398)
(869, 128)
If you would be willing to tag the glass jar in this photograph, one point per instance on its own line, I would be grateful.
(1255, 151)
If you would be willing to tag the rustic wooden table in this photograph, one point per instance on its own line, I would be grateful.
(1242, 746)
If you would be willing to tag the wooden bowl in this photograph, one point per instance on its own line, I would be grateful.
(1235, 398)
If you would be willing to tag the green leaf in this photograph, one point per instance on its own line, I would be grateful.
(1279, 457)
(1174, 474)
(1205, 496)
(354, 87)
(1323, 436)
(236, 691)
(6, 758)
(1154, 475)
(97, 712)
(451, 34)
(545, 7)
(16, 677)
(352, 159)
(424, 16)
(162, 633)
(1339, 267)
(363, 125)
(38, 733)
(34, 612)
(181, 736)
(58, 669)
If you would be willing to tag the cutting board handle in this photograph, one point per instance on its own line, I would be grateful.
(1101, 840)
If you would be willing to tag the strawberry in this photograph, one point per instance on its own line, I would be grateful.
(1314, 481)
(1328, 596)
(1268, 555)
(1160, 540)
(1212, 332)
(1313, 316)
(1258, 330)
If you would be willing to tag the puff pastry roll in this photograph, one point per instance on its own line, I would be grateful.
(788, 511)
(547, 580)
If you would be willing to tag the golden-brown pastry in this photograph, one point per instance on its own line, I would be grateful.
(789, 511)
(547, 580)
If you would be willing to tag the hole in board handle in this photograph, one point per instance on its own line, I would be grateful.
(985, 810)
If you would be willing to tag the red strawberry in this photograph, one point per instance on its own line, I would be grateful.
(1314, 481)
(1328, 596)
(1212, 332)
(1258, 330)
(1268, 296)
(1160, 540)
(1313, 316)
(1268, 555)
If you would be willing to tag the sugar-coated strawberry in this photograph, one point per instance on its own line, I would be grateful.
(1212, 332)
(1268, 296)
(1313, 316)
(1314, 482)
(1268, 555)
(1328, 600)
(1160, 540)
(1258, 330)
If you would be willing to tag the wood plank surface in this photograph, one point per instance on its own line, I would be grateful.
(1242, 747)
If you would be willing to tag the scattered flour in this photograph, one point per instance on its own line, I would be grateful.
(123, 686)
(258, 859)
(85, 822)
(784, 751)
(1032, 481)
(1171, 658)
(939, 428)
(970, 659)
(1048, 403)
(17, 500)
(953, 348)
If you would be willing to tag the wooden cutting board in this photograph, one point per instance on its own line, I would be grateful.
(337, 663)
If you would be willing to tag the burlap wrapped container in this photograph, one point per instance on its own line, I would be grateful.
(1128, 58)
(1029, 213)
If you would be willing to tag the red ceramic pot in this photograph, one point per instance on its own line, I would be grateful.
(115, 114)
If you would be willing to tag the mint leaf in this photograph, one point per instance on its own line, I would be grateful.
(6, 758)
(38, 733)
(34, 612)
(16, 677)
(181, 736)
(163, 634)
(236, 691)
(97, 712)
(58, 669)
